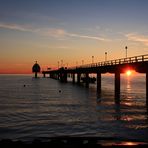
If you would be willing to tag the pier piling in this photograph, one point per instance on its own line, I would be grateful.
(117, 86)
(73, 77)
(87, 79)
(147, 88)
(78, 78)
(98, 82)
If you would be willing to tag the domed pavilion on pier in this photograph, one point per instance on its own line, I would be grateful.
(36, 68)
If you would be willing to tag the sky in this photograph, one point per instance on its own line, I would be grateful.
(69, 32)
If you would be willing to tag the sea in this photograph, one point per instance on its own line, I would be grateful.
(42, 108)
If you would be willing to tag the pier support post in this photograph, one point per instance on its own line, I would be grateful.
(50, 75)
(65, 76)
(58, 76)
(78, 78)
(87, 79)
(117, 86)
(73, 78)
(44, 75)
(147, 88)
(61, 76)
(99, 82)
(36, 75)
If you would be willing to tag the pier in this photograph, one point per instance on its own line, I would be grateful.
(116, 67)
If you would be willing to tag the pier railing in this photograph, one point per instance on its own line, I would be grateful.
(135, 59)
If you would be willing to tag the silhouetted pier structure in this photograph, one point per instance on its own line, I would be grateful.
(118, 66)
(36, 68)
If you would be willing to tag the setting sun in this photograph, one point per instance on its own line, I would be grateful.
(128, 72)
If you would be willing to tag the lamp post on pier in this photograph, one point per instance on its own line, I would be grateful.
(92, 59)
(67, 65)
(82, 62)
(76, 63)
(61, 63)
(58, 64)
(105, 56)
(126, 51)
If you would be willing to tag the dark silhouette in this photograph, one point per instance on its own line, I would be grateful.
(36, 68)
(117, 67)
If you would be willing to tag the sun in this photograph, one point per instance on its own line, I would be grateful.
(128, 72)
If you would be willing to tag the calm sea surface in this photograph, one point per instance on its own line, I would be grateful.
(48, 108)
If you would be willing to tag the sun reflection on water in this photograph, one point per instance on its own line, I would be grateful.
(128, 86)
(127, 118)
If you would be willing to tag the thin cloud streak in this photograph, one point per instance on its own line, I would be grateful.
(87, 37)
(57, 33)
(137, 38)
(17, 27)
(52, 32)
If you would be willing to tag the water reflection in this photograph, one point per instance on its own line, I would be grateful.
(128, 85)
(98, 100)
(128, 103)
(117, 115)
(117, 98)
(128, 100)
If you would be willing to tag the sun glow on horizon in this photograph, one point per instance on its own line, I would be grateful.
(128, 72)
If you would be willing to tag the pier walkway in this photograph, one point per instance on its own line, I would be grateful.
(118, 66)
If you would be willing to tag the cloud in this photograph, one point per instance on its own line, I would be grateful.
(17, 27)
(52, 32)
(61, 33)
(137, 38)
(87, 37)
(59, 47)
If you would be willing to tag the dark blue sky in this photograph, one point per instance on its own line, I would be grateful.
(69, 10)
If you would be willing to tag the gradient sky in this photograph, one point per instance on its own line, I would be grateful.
(70, 30)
